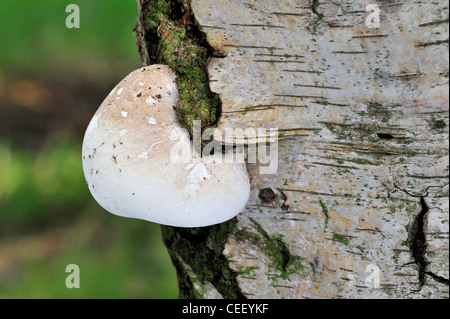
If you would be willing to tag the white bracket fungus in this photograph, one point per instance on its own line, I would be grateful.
(127, 162)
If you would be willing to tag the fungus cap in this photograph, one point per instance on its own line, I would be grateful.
(131, 163)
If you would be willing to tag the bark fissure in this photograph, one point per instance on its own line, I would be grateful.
(314, 4)
(417, 241)
(418, 246)
(437, 278)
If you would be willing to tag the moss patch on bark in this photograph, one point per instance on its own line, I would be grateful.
(174, 39)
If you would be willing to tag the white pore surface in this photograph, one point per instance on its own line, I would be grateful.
(132, 165)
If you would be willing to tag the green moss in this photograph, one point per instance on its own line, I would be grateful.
(340, 239)
(325, 213)
(379, 111)
(248, 109)
(387, 290)
(314, 4)
(283, 262)
(247, 271)
(360, 161)
(157, 12)
(196, 103)
(201, 249)
(176, 41)
(438, 125)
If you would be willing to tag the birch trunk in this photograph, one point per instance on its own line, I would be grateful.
(359, 204)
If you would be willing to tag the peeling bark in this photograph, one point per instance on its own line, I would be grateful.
(363, 174)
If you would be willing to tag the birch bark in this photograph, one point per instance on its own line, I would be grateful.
(359, 204)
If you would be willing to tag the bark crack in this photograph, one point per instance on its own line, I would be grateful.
(314, 4)
(437, 278)
(418, 246)
(417, 241)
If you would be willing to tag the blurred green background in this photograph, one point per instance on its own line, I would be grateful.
(52, 80)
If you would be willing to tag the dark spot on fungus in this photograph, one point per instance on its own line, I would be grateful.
(139, 94)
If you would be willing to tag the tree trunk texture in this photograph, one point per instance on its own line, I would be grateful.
(363, 170)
